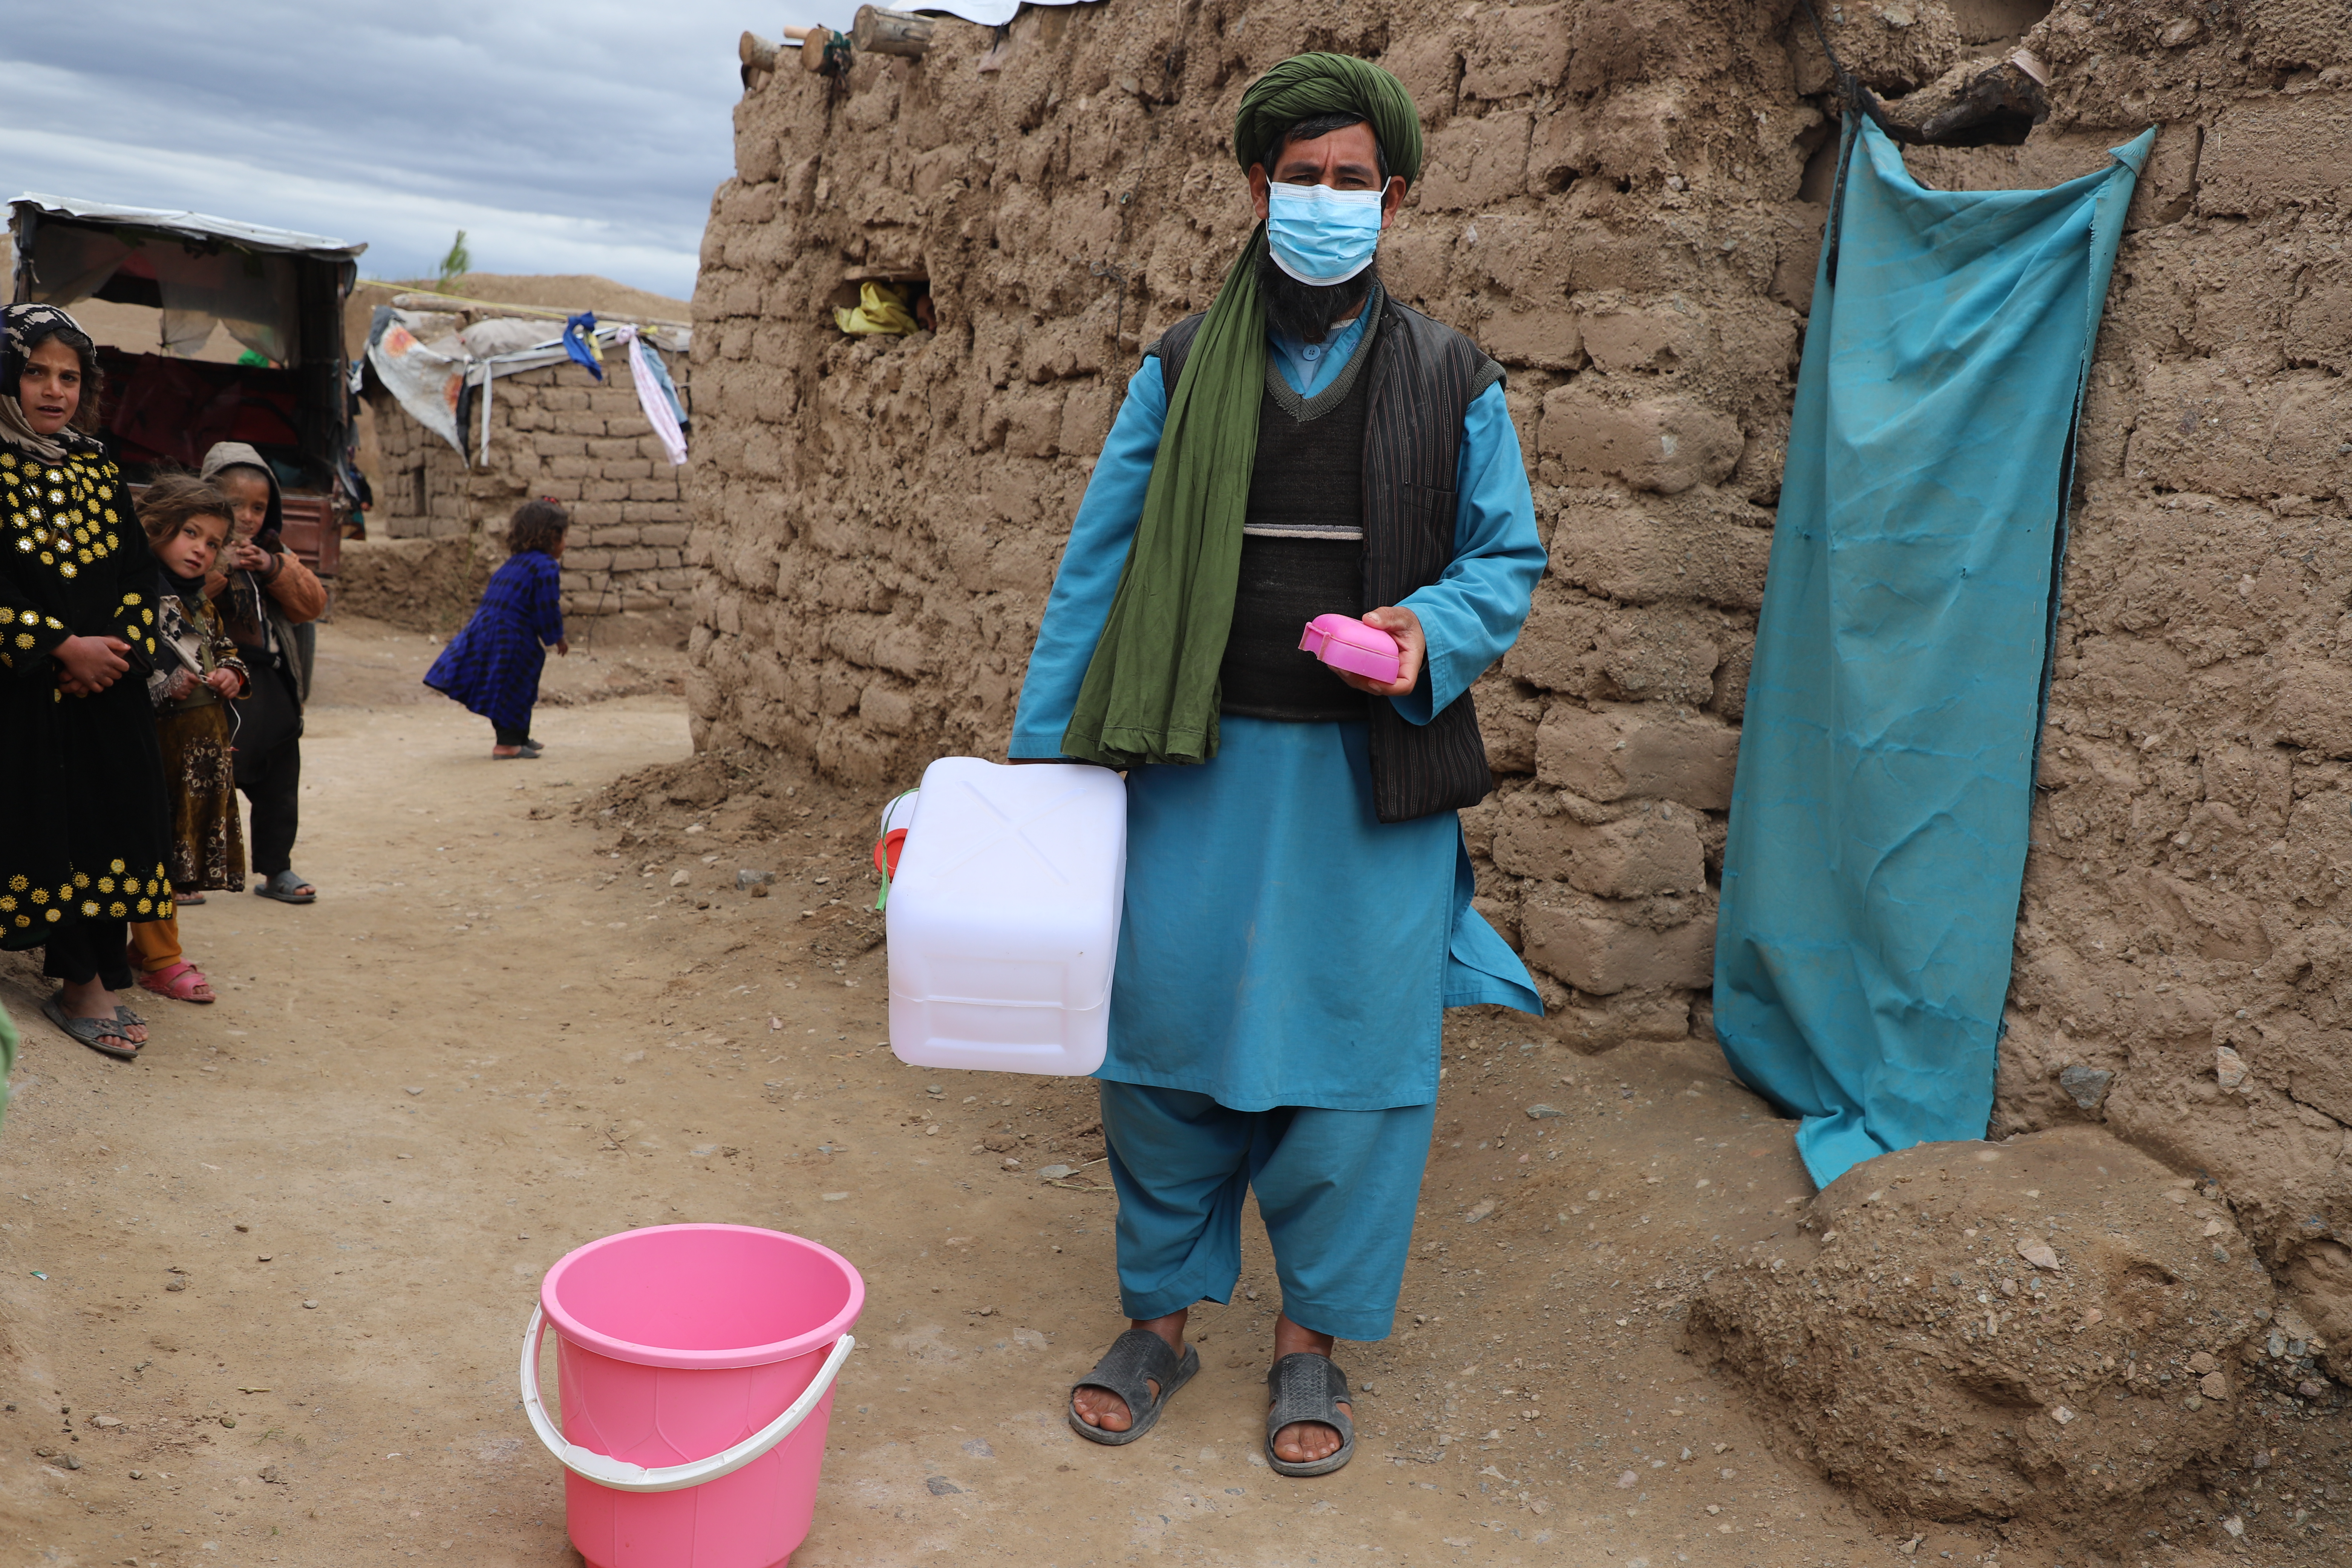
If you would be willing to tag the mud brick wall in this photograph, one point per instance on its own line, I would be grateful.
(552, 432)
(1622, 201)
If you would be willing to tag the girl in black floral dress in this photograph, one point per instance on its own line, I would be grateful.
(83, 816)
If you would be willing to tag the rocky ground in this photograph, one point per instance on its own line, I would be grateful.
(260, 1292)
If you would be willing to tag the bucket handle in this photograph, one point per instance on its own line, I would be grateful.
(622, 1476)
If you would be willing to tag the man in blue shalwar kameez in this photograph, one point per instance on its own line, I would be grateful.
(1297, 911)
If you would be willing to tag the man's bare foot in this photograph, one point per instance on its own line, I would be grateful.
(1099, 1407)
(91, 1000)
(1304, 1442)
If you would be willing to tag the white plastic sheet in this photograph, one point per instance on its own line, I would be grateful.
(987, 13)
(426, 381)
(429, 379)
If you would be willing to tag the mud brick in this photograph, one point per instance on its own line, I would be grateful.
(1663, 443)
(1545, 338)
(1612, 752)
(1578, 940)
(1652, 851)
(1475, 163)
(1515, 50)
(2243, 169)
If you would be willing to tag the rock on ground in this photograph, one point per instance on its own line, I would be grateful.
(2048, 1328)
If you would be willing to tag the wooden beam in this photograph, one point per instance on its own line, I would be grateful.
(880, 32)
(813, 43)
(458, 305)
(757, 57)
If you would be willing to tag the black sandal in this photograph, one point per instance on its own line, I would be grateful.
(1136, 1360)
(1308, 1387)
(95, 1032)
(286, 886)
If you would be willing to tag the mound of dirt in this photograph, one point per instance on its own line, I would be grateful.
(2049, 1327)
(421, 584)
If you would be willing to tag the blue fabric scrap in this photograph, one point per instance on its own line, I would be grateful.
(580, 343)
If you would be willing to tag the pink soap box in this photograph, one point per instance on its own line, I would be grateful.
(1346, 643)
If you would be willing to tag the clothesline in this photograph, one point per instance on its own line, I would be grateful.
(432, 384)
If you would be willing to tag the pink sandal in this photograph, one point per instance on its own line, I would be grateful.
(182, 981)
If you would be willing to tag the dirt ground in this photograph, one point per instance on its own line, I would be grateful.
(260, 1293)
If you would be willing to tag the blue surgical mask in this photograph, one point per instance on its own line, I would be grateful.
(1320, 236)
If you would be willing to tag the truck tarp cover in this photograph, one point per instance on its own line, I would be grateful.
(239, 274)
(1878, 824)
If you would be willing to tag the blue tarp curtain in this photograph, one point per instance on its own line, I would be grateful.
(1878, 823)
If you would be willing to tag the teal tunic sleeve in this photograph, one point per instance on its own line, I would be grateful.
(1088, 577)
(1471, 614)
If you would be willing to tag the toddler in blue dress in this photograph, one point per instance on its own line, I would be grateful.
(493, 665)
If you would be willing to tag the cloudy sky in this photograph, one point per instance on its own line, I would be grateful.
(562, 135)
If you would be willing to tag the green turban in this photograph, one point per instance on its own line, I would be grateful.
(1305, 86)
(1150, 691)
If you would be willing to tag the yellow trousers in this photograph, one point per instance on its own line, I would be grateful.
(155, 943)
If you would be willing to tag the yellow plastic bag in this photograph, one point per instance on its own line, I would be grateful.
(881, 309)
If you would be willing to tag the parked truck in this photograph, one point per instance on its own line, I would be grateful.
(277, 293)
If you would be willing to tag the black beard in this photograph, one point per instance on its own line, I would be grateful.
(1306, 310)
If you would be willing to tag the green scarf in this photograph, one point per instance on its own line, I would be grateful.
(1150, 691)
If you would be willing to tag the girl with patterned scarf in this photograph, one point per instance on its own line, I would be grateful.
(83, 818)
(198, 674)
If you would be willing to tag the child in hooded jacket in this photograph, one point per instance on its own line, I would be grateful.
(268, 601)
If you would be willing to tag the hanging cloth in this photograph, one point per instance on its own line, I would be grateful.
(1878, 823)
(655, 394)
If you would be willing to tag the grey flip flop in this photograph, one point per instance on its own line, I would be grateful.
(91, 1032)
(281, 887)
(1134, 1357)
(1308, 1387)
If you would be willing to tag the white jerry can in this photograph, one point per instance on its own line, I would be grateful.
(1003, 917)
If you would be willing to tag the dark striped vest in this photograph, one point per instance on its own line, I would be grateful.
(1376, 452)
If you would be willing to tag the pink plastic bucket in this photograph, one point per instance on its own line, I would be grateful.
(696, 1364)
